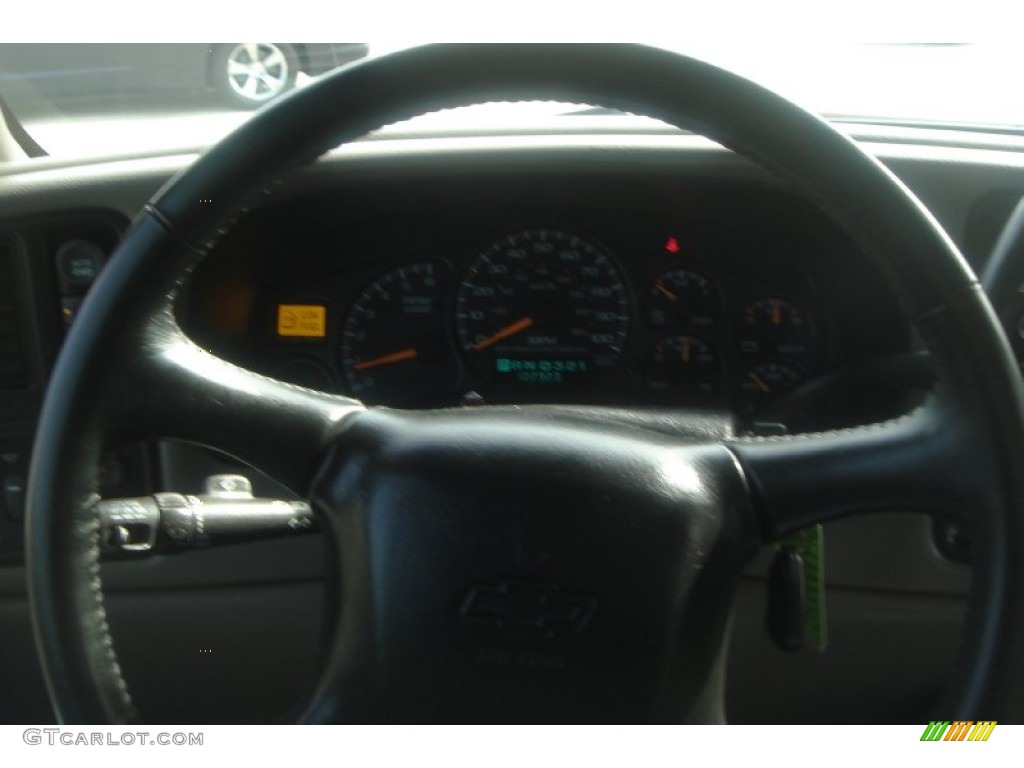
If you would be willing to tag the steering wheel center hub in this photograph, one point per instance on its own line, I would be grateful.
(461, 571)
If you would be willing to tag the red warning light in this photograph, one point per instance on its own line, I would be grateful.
(672, 245)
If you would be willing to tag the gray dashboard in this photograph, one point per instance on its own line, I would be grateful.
(893, 595)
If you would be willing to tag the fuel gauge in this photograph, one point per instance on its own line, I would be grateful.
(683, 298)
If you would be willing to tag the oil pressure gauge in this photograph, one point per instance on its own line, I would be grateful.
(766, 382)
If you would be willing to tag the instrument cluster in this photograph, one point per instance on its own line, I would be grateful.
(550, 313)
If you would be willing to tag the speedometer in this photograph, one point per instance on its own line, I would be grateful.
(542, 307)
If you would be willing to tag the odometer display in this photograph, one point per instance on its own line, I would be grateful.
(542, 308)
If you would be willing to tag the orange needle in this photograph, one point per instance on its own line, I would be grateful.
(509, 330)
(760, 383)
(392, 357)
(686, 351)
(776, 312)
(664, 291)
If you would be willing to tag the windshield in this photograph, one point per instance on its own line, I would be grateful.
(108, 100)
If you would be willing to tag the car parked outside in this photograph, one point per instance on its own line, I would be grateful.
(243, 74)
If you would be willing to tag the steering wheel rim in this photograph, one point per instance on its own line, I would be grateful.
(127, 369)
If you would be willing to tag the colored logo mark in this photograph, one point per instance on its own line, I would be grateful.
(958, 730)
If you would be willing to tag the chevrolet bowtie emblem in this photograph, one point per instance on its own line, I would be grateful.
(540, 609)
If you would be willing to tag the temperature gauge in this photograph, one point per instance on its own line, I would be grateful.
(683, 365)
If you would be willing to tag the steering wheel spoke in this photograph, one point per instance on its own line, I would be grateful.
(913, 463)
(184, 392)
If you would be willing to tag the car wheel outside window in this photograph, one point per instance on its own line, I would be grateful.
(249, 75)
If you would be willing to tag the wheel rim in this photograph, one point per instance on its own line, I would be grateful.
(257, 71)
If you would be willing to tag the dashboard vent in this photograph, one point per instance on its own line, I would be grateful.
(13, 369)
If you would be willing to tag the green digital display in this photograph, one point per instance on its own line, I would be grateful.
(544, 371)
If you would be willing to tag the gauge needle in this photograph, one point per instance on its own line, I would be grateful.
(776, 312)
(392, 357)
(685, 351)
(760, 383)
(509, 330)
(664, 291)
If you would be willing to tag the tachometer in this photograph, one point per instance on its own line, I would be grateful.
(542, 307)
(394, 348)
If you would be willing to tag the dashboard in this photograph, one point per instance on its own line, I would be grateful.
(634, 291)
(644, 271)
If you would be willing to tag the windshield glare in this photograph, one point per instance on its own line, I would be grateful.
(103, 100)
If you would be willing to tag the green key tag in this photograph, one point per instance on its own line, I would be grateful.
(809, 543)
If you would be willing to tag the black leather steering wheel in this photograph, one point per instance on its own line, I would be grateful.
(634, 535)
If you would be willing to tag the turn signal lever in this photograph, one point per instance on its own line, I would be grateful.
(225, 513)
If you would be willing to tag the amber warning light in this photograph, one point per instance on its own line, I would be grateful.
(307, 321)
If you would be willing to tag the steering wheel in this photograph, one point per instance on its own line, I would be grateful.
(538, 563)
